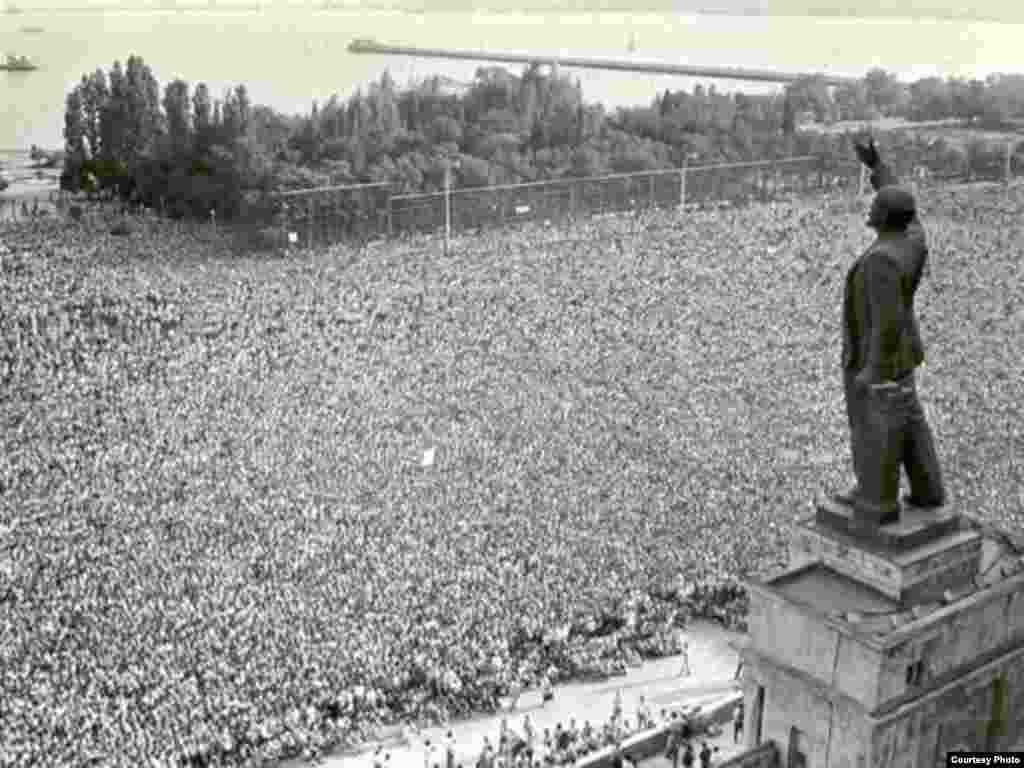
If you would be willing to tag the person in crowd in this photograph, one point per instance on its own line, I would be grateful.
(643, 714)
(547, 693)
(449, 749)
(529, 736)
(573, 730)
(705, 755)
(737, 721)
(684, 670)
(429, 752)
(688, 756)
(673, 746)
(618, 760)
(515, 693)
(486, 759)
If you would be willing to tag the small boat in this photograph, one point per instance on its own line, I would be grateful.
(17, 64)
(32, 30)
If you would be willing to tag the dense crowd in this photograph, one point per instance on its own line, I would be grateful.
(257, 507)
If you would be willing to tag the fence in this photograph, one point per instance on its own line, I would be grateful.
(319, 216)
(327, 214)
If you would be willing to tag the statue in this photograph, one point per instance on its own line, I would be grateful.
(881, 349)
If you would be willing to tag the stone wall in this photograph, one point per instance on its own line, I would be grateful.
(764, 756)
(655, 741)
(791, 702)
(782, 631)
(955, 719)
(955, 642)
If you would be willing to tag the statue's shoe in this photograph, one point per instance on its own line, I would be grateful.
(848, 497)
(912, 502)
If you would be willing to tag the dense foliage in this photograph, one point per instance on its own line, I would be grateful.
(220, 534)
(191, 153)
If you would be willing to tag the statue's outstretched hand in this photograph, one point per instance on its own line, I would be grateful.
(867, 153)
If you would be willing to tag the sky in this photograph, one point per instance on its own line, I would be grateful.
(1003, 10)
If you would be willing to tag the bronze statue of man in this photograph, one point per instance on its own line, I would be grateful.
(881, 349)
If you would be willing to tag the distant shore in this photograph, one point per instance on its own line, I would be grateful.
(26, 180)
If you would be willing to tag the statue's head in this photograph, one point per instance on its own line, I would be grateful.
(892, 209)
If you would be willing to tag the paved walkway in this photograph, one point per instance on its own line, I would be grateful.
(712, 661)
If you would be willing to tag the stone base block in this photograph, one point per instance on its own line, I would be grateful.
(914, 527)
(910, 561)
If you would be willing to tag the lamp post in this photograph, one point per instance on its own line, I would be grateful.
(448, 203)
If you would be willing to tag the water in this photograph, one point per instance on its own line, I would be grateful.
(288, 57)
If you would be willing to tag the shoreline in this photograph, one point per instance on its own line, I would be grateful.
(26, 180)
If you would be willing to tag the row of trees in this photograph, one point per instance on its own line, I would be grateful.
(184, 150)
(198, 154)
(991, 103)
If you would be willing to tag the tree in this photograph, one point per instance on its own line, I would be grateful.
(94, 94)
(114, 116)
(884, 91)
(217, 123)
(851, 99)
(665, 103)
(809, 93)
(474, 172)
(230, 127)
(634, 160)
(144, 120)
(562, 128)
(202, 118)
(529, 97)
(445, 129)
(930, 99)
(788, 118)
(384, 106)
(501, 120)
(74, 130)
(177, 108)
(74, 150)
(586, 162)
(243, 108)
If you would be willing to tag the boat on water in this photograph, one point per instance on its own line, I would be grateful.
(32, 30)
(17, 64)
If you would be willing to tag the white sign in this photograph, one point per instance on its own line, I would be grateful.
(428, 457)
(522, 209)
(293, 238)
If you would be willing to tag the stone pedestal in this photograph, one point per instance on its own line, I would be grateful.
(914, 527)
(911, 561)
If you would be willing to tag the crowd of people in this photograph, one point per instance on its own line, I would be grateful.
(222, 541)
(530, 746)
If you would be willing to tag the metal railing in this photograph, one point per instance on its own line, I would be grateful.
(324, 215)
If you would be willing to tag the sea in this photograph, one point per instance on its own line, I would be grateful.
(289, 57)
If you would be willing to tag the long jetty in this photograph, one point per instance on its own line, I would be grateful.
(366, 46)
